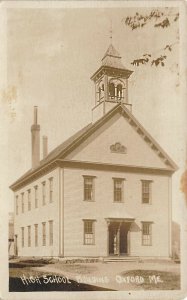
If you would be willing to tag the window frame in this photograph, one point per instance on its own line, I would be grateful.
(51, 182)
(29, 199)
(36, 235)
(22, 237)
(85, 177)
(85, 239)
(51, 232)
(115, 179)
(17, 205)
(36, 196)
(29, 235)
(149, 182)
(43, 233)
(145, 241)
(22, 203)
(44, 193)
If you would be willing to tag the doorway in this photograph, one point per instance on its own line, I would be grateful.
(119, 238)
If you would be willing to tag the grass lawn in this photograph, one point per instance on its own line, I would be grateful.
(170, 280)
(18, 272)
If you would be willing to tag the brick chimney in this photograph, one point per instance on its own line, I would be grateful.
(45, 146)
(35, 135)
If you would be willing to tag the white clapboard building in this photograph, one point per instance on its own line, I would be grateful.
(105, 191)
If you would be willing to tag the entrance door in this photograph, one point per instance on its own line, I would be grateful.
(124, 229)
(118, 238)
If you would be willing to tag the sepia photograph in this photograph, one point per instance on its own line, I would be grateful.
(93, 149)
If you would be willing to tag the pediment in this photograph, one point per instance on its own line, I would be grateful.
(121, 140)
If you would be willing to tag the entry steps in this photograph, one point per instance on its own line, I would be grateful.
(122, 259)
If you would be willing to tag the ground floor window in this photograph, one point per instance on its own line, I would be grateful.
(146, 233)
(36, 234)
(29, 236)
(44, 233)
(89, 232)
(50, 233)
(22, 237)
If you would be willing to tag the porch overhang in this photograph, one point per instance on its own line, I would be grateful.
(119, 219)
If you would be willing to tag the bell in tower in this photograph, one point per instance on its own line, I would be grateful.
(111, 84)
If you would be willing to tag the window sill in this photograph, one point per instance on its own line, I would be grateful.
(89, 200)
(118, 201)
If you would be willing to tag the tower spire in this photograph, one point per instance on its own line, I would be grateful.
(111, 31)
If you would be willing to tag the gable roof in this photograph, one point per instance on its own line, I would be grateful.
(71, 143)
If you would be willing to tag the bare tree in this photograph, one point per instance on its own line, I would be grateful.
(160, 20)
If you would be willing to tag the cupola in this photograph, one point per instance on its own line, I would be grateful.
(111, 84)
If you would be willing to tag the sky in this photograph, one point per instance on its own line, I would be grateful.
(51, 55)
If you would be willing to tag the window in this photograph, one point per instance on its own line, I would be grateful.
(17, 205)
(44, 233)
(50, 189)
(146, 233)
(29, 236)
(22, 237)
(50, 233)
(36, 234)
(88, 188)
(119, 91)
(22, 202)
(146, 191)
(36, 196)
(29, 199)
(44, 193)
(118, 189)
(89, 234)
(112, 90)
(99, 93)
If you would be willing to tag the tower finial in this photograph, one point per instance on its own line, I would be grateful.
(111, 31)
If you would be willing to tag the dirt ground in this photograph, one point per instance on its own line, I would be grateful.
(127, 275)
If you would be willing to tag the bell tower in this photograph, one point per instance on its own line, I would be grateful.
(111, 84)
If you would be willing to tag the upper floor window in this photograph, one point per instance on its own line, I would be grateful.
(118, 189)
(44, 193)
(22, 237)
(44, 233)
(50, 233)
(89, 188)
(51, 189)
(146, 191)
(22, 202)
(36, 196)
(146, 233)
(29, 199)
(89, 232)
(17, 204)
(29, 236)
